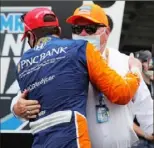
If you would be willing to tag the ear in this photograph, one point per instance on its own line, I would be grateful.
(59, 30)
(31, 36)
(108, 30)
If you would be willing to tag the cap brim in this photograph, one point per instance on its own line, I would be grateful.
(71, 19)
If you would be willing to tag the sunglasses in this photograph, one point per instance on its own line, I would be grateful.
(90, 29)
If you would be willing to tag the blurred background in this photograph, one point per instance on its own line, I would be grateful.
(132, 31)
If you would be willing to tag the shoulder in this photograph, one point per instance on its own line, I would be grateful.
(118, 61)
(76, 42)
(69, 42)
(117, 55)
(27, 53)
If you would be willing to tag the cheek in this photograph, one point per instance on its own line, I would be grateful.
(102, 39)
(145, 65)
(104, 35)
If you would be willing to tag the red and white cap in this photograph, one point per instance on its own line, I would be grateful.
(35, 19)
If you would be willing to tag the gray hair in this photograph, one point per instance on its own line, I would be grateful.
(144, 55)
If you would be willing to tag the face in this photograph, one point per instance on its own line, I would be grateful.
(146, 65)
(90, 28)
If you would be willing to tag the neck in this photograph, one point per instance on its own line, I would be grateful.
(55, 35)
(103, 47)
(45, 39)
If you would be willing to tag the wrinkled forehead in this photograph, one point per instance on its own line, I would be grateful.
(83, 21)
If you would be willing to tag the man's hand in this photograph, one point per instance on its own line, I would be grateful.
(140, 133)
(149, 138)
(134, 64)
(27, 109)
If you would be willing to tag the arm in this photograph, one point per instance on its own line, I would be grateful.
(141, 133)
(143, 108)
(138, 130)
(14, 101)
(22, 108)
(119, 90)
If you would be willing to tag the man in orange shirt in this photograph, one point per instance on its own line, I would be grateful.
(116, 128)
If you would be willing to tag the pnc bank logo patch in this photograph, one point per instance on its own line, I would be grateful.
(37, 59)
